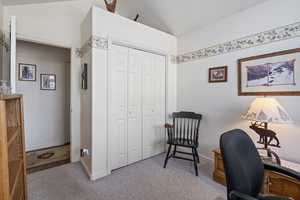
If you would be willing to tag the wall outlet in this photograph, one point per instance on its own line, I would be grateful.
(84, 152)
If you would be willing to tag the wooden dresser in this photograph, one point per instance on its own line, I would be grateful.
(12, 154)
(275, 183)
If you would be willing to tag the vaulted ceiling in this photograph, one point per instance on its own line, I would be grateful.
(172, 16)
(181, 16)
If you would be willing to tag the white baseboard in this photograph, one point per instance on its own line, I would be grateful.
(200, 155)
(98, 175)
(92, 176)
(85, 167)
(206, 158)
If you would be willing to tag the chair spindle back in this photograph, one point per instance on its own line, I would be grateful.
(185, 126)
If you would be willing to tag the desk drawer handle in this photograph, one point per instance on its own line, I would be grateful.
(46, 155)
(270, 183)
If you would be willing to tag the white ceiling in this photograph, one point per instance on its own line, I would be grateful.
(172, 16)
(181, 16)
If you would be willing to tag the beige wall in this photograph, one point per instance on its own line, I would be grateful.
(47, 116)
(57, 24)
(219, 103)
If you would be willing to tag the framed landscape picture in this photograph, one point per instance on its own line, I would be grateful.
(217, 74)
(275, 74)
(27, 72)
(48, 82)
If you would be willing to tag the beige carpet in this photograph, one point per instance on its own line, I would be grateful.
(145, 180)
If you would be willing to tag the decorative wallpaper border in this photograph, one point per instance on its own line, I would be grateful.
(93, 42)
(3, 43)
(273, 35)
(173, 59)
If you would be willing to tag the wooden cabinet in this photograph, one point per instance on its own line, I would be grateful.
(274, 183)
(12, 156)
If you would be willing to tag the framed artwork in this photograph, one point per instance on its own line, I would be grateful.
(48, 82)
(274, 74)
(217, 74)
(27, 72)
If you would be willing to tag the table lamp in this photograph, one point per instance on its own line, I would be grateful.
(261, 112)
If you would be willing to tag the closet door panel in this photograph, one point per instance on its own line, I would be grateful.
(149, 105)
(119, 148)
(160, 134)
(148, 136)
(118, 106)
(134, 106)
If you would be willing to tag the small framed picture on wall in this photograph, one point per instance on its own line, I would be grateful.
(217, 74)
(48, 82)
(27, 72)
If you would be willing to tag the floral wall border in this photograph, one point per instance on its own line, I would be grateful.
(273, 35)
(93, 42)
(3, 42)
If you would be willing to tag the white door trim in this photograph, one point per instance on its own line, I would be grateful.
(13, 52)
(74, 139)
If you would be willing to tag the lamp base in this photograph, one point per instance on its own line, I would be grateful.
(266, 137)
(271, 154)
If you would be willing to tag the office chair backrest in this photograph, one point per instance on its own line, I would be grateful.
(243, 167)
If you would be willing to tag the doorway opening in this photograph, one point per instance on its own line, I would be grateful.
(43, 77)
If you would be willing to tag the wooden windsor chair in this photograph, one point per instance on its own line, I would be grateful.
(184, 132)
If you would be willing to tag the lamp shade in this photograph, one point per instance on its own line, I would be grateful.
(267, 110)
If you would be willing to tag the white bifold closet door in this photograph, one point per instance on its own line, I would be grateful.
(118, 106)
(153, 105)
(137, 105)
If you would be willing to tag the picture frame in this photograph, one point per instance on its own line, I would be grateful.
(273, 74)
(27, 72)
(217, 74)
(48, 82)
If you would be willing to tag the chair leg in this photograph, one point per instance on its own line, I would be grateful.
(197, 155)
(194, 152)
(167, 156)
(174, 151)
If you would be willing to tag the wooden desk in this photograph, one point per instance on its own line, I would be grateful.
(274, 183)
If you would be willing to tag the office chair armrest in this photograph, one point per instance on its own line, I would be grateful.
(241, 196)
(272, 197)
(282, 170)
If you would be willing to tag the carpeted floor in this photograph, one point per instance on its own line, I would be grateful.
(145, 180)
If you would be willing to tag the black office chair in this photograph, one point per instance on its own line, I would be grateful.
(244, 168)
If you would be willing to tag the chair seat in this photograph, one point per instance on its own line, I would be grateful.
(183, 142)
